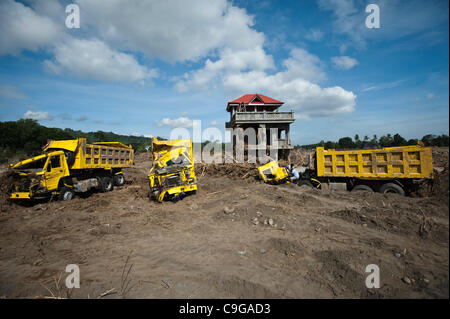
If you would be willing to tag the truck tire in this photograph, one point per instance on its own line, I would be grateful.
(119, 180)
(362, 188)
(106, 184)
(391, 188)
(66, 193)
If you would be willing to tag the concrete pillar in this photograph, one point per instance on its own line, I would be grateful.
(261, 141)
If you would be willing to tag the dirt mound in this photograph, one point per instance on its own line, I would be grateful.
(246, 171)
(440, 158)
(6, 181)
(234, 239)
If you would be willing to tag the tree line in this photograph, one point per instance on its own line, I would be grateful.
(24, 138)
(387, 140)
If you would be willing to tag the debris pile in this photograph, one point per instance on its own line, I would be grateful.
(243, 171)
(7, 179)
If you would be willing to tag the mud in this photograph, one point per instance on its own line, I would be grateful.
(236, 238)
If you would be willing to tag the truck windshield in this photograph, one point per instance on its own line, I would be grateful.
(35, 166)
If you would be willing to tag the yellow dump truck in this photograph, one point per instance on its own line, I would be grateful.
(71, 166)
(398, 170)
(172, 175)
(387, 170)
(271, 173)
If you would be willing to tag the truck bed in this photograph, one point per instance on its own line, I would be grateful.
(104, 155)
(393, 162)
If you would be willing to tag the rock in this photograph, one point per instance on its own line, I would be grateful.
(364, 225)
(398, 255)
(406, 280)
(425, 280)
(227, 210)
(255, 221)
(439, 169)
(241, 252)
(270, 221)
(259, 214)
(262, 251)
(317, 229)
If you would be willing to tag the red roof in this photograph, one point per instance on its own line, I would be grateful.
(248, 98)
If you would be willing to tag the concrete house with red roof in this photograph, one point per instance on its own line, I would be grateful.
(261, 113)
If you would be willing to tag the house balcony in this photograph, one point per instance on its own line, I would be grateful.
(260, 118)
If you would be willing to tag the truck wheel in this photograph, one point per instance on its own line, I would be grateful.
(304, 183)
(391, 188)
(106, 184)
(362, 188)
(119, 180)
(66, 193)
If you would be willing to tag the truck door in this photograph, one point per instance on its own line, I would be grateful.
(53, 172)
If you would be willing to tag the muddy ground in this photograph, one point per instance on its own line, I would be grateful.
(236, 238)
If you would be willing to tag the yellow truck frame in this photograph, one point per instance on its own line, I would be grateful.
(387, 170)
(71, 166)
(398, 170)
(172, 175)
(273, 174)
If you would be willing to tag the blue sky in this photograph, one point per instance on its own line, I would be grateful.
(145, 67)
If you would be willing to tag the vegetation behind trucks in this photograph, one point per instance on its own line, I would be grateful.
(172, 175)
(70, 166)
(387, 170)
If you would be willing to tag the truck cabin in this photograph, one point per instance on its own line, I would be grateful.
(40, 164)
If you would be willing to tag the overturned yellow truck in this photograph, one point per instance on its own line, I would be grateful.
(400, 170)
(71, 166)
(172, 175)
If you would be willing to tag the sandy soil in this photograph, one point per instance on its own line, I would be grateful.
(235, 238)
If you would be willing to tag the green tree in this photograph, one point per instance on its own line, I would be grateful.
(399, 140)
(346, 142)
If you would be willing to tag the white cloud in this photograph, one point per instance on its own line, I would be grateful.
(179, 122)
(173, 30)
(95, 59)
(11, 92)
(314, 35)
(296, 84)
(383, 86)
(395, 19)
(229, 61)
(307, 98)
(141, 135)
(38, 115)
(82, 118)
(344, 62)
(23, 29)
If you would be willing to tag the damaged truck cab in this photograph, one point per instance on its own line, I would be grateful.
(71, 166)
(39, 174)
(172, 175)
